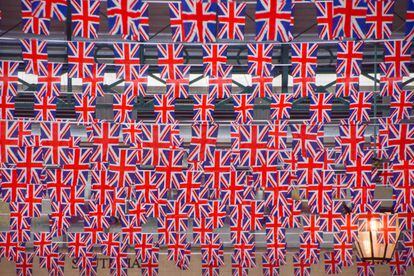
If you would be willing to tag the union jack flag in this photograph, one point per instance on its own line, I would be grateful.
(178, 86)
(358, 171)
(122, 165)
(20, 221)
(176, 22)
(333, 264)
(127, 58)
(304, 61)
(111, 243)
(87, 264)
(96, 220)
(331, 220)
(401, 105)
(401, 174)
(348, 68)
(74, 197)
(278, 133)
(321, 107)
(202, 228)
(131, 227)
(6, 107)
(276, 239)
(31, 23)
(13, 188)
(179, 250)
(397, 57)
(403, 189)
(245, 251)
(34, 52)
(8, 78)
(387, 229)
(309, 167)
(343, 248)
(148, 183)
(203, 141)
(359, 106)
(30, 160)
(59, 219)
(49, 79)
(262, 85)
(389, 83)
(24, 263)
(259, 58)
(170, 56)
(379, 18)
(325, 15)
(214, 58)
(14, 133)
(220, 86)
(77, 160)
(150, 266)
(399, 263)
(231, 20)
(155, 139)
(365, 268)
(203, 108)
(9, 245)
(400, 141)
(199, 20)
(309, 249)
(44, 108)
(239, 220)
(280, 106)
(307, 139)
(84, 108)
(409, 22)
(53, 137)
(301, 266)
(106, 135)
(265, 172)
(171, 169)
(214, 167)
(92, 82)
(350, 18)
(320, 193)
(138, 86)
(233, 186)
(273, 20)
(271, 267)
(56, 181)
(55, 9)
(79, 244)
(129, 18)
(131, 134)
(80, 58)
(243, 107)
(253, 139)
(351, 141)
(176, 214)
(212, 251)
(85, 18)
(164, 109)
(123, 107)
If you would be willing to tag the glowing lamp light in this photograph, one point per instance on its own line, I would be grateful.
(371, 248)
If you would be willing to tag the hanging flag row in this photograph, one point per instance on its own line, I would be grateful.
(209, 21)
(175, 73)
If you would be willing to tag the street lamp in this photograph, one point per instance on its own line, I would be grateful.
(372, 248)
